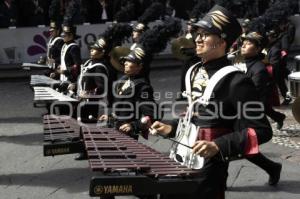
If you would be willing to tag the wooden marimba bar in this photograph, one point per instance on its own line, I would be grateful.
(61, 136)
(128, 167)
(46, 95)
(43, 81)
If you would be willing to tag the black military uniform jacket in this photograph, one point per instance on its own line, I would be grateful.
(256, 70)
(274, 54)
(92, 83)
(73, 62)
(223, 112)
(55, 50)
(135, 100)
(99, 84)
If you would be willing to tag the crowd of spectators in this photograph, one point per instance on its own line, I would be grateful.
(25, 13)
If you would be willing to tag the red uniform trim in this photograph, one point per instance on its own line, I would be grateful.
(274, 97)
(252, 143)
(75, 71)
(209, 134)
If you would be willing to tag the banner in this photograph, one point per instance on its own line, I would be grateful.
(28, 44)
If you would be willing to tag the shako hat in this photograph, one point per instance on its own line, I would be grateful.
(221, 22)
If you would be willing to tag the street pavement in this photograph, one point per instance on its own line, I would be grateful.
(26, 174)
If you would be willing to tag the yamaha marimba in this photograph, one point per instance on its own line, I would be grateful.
(61, 136)
(122, 165)
(42, 80)
(46, 95)
(127, 167)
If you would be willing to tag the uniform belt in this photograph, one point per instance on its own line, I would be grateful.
(210, 134)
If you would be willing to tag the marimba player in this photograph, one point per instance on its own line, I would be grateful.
(54, 45)
(95, 82)
(224, 135)
(94, 85)
(134, 94)
(70, 57)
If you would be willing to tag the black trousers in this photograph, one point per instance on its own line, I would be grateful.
(263, 162)
(274, 115)
(280, 74)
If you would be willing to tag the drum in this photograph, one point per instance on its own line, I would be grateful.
(297, 60)
(294, 81)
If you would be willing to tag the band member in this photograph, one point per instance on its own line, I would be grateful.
(253, 43)
(137, 32)
(134, 87)
(98, 75)
(221, 138)
(277, 15)
(54, 45)
(236, 57)
(153, 12)
(94, 85)
(134, 96)
(275, 59)
(69, 68)
(95, 82)
(97, 85)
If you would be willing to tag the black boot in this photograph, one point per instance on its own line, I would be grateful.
(81, 156)
(275, 174)
(272, 168)
(280, 122)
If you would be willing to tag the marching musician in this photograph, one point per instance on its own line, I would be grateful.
(133, 96)
(224, 134)
(96, 79)
(70, 57)
(153, 12)
(275, 59)
(94, 85)
(56, 41)
(253, 44)
(138, 30)
(54, 45)
(98, 75)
